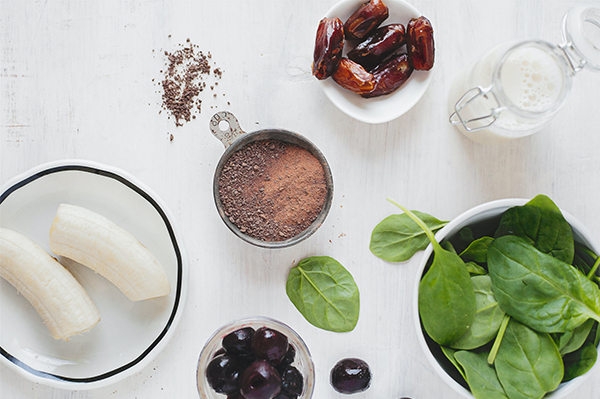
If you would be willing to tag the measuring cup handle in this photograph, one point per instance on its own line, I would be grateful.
(229, 135)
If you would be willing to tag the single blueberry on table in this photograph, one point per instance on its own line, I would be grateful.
(350, 375)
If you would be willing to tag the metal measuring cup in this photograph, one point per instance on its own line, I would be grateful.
(234, 138)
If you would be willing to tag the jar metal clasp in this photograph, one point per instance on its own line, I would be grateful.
(467, 99)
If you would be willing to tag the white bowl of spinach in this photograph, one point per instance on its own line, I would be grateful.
(507, 302)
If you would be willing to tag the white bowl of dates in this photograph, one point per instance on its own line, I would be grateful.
(272, 188)
(255, 358)
(533, 270)
(373, 59)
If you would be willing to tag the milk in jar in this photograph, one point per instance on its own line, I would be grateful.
(523, 86)
(517, 88)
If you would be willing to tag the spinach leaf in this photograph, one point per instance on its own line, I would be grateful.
(446, 298)
(474, 268)
(447, 245)
(463, 238)
(488, 316)
(481, 377)
(446, 294)
(572, 340)
(539, 290)
(498, 340)
(580, 362)
(586, 254)
(325, 293)
(528, 362)
(592, 273)
(449, 353)
(541, 222)
(584, 258)
(397, 238)
(477, 250)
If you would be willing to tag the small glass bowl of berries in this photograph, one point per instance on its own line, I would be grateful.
(255, 358)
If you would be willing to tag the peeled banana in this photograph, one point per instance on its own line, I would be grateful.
(96, 242)
(62, 303)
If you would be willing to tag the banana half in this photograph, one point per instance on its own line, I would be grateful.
(96, 242)
(62, 303)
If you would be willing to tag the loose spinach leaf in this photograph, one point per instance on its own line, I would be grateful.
(481, 377)
(541, 222)
(572, 340)
(397, 238)
(446, 294)
(488, 316)
(539, 290)
(528, 362)
(580, 362)
(325, 293)
(477, 250)
(474, 268)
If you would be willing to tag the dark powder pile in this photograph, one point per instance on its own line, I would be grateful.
(272, 190)
(183, 80)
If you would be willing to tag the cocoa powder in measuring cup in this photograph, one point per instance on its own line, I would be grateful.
(272, 190)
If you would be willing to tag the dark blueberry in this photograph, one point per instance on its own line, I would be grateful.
(235, 395)
(269, 345)
(350, 376)
(284, 396)
(292, 381)
(287, 359)
(260, 380)
(244, 360)
(238, 342)
(221, 351)
(223, 374)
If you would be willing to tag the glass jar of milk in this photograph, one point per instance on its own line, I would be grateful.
(516, 88)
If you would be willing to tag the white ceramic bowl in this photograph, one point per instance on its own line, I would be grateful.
(129, 334)
(488, 211)
(384, 108)
(303, 361)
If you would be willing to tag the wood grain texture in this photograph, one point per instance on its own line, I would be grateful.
(76, 81)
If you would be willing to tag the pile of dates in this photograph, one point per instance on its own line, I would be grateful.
(255, 364)
(376, 66)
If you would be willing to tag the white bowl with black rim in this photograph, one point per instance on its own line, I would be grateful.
(482, 215)
(129, 334)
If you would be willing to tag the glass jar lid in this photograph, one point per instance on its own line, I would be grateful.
(581, 33)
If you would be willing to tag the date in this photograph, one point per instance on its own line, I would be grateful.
(421, 49)
(373, 50)
(352, 76)
(388, 77)
(365, 19)
(328, 47)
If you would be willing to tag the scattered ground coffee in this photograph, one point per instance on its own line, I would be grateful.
(272, 190)
(184, 73)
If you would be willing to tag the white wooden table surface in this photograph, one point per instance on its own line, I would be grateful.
(76, 81)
